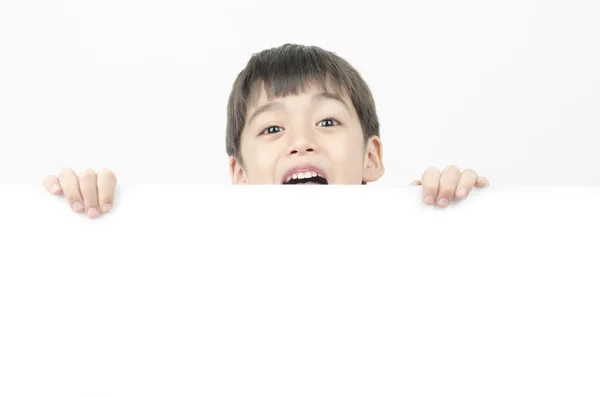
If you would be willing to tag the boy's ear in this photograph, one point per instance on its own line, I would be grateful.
(373, 167)
(238, 175)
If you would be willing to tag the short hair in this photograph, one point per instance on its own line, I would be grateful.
(289, 69)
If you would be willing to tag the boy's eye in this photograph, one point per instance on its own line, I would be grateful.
(272, 130)
(328, 123)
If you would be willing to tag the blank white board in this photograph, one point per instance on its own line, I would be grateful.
(192, 290)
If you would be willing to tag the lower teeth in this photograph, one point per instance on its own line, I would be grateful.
(315, 179)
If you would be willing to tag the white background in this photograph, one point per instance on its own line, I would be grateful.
(510, 88)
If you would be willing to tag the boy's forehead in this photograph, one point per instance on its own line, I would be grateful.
(260, 95)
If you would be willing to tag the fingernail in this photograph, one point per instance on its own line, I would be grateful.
(92, 212)
(462, 193)
(77, 206)
(106, 207)
(55, 188)
(429, 200)
(443, 202)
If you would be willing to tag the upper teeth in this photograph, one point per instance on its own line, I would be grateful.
(303, 175)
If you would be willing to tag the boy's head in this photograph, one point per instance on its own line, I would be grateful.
(299, 111)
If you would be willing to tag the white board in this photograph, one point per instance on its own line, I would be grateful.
(303, 290)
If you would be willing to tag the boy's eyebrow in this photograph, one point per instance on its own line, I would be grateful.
(264, 108)
(329, 95)
(278, 105)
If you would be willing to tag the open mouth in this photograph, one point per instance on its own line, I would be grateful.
(307, 178)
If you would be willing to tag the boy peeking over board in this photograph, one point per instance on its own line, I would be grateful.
(296, 115)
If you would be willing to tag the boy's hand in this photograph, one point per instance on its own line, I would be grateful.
(89, 191)
(440, 187)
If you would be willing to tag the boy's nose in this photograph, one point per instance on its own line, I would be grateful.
(301, 144)
(301, 147)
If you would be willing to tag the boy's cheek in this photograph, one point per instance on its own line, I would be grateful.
(261, 164)
(263, 170)
(348, 166)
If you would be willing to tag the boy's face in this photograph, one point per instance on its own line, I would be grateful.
(290, 139)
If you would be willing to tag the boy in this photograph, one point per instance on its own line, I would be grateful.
(296, 114)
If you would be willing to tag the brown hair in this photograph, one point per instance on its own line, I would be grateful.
(287, 69)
